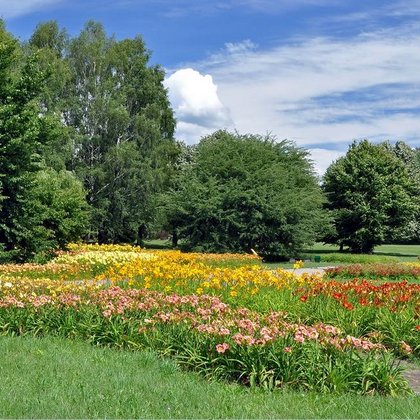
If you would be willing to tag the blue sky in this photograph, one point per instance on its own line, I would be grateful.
(319, 72)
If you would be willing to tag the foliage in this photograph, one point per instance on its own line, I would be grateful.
(59, 200)
(41, 210)
(370, 195)
(376, 271)
(205, 334)
(21, 135)
(243, 192)
(409, 232)
(119, 124)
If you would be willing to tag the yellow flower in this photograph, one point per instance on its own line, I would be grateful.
(298, 264)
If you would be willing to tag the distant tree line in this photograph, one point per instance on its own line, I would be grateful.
(87, 152)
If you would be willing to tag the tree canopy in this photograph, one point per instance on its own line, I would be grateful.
(242, 192)
(410, 157)
(370, 194)
(119, 122)
(24, 132)
(87, 150)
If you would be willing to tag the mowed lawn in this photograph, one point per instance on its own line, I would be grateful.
(58, 378)
(398, 250)
(408, 250)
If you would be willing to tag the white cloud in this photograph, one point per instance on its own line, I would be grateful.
(323, 93)
(196, 103)
(240, 47)
(14, 8)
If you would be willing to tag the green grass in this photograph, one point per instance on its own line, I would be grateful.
(399, 250)
(56, 378)
(307, 264)
(402, 252)
(410, 250)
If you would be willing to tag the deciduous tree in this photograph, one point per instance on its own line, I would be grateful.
(243, 192)
(119, 121)
(370, 194)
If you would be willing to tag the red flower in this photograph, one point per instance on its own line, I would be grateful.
(363, 301)
(348, 305)
(303, 298)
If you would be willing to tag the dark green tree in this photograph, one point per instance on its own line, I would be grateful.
(242, 192)
(370, 195)
(410, 231)
(58, 201)
(40, 210)
(20, 145)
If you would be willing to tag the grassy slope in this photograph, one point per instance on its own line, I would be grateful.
(52, 378)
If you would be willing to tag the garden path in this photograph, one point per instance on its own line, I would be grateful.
(412, 375)
(300, 271)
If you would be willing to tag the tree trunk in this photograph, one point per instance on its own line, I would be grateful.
(174, 238)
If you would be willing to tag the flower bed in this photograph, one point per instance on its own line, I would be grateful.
(207, 335)
(248, 324)
(389, 311)
(401, 271)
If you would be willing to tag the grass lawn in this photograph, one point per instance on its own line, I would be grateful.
(400, 251)
(57, 378)
(158, 244)
(403, 250)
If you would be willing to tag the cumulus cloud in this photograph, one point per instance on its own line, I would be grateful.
(196, 103)
(14, 8)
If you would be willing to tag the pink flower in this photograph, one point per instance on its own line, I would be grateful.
(107, 313)
(221, 348)
(406, 347)
(287, 349)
